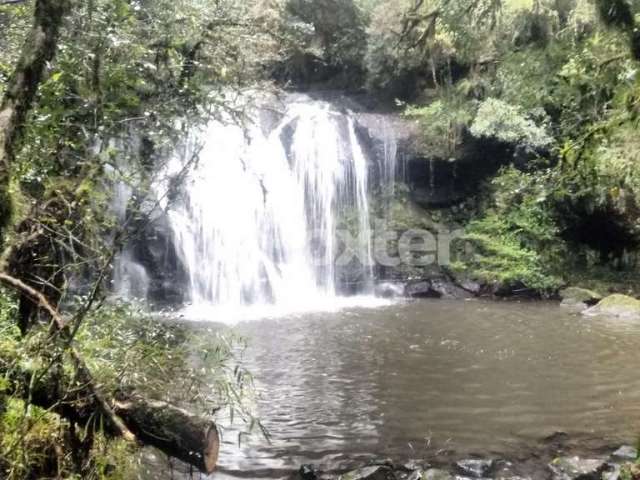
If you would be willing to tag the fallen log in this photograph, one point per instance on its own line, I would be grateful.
(179, 434)
(172, 430)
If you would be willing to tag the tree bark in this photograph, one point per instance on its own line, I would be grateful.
(179, 434)
(174, 431)
(39, 49)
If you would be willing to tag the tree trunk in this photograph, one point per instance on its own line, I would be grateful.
(174, 431)
(39, 49)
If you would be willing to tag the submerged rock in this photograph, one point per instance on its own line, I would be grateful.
(390, 290)
(375, 472)
(576, 296)
(475, 468)
(576, 468)
(422, 289)
(513, 477)
(437, 288)
(626, 452)
(616, 305)
(447, 289)
(436, 474)
(307, 472)
(614, 473)
(471, 286)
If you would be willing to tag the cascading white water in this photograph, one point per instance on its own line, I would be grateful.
(260, 212)
(130, 278)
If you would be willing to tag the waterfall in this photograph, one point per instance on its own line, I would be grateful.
(260, 216)
(129, 277)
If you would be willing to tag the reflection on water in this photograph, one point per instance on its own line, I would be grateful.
(406, 380)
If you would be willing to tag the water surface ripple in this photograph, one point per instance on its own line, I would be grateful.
(407, 380)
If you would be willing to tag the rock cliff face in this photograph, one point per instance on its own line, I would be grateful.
(155, 251)
(433, 181)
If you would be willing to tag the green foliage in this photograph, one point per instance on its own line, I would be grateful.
(129, 349)
(442, 124)
(507, 123)
(125, 349)
(30, 440)
(617, 162)
(14, 23)
(617, 13)
(526, 77)
(502, 259)
(127, 81)
(588, 81)
(414, 44)
(516, 241)
(322, 40)
(27, 440)
(569, 83)
(338, 25)
(401, 59)
(8, 310)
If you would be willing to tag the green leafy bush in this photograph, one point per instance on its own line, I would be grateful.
(442, 124)
(516, 241)
(509, 124)
(125, 349)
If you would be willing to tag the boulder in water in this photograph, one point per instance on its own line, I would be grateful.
(307, 472)
(475, 468)
(436, 474)
(390, 290)
(573, 296)
(374, 472)
(448, 289)
(617, 305)
(421, 289)
(626, 452)
(576, 468)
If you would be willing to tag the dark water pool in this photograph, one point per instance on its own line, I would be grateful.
(412, 379)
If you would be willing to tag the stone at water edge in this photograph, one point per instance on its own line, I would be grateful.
(614, 473)
(514, 477)
(616, 305)
(576, 468)
(307, 472)
(449, 290)
(436, 474)
(390, 289)
(422, 289)
(626, 452)
(416, 475)
(475, 468)
(573, 296)
(376, 472)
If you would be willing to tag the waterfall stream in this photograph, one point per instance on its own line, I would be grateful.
(263, 216)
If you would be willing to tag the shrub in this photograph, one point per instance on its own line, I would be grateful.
(442, 124)
(507, 123)
(517, 240)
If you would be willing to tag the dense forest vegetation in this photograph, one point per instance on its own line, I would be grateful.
(96, 92)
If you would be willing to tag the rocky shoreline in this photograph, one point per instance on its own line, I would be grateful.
(615, 465)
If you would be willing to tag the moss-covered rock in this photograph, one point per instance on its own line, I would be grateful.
(616, 305)
(577, 295)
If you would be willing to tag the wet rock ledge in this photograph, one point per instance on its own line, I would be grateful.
(619, 465)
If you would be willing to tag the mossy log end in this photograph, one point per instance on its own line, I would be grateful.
(178, 433)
